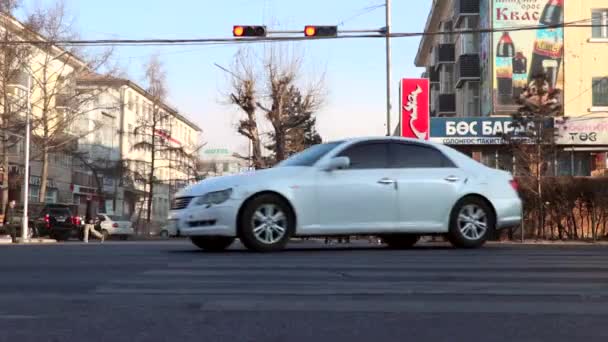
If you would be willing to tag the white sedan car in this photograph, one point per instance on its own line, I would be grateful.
(114, 226)
(394, 188)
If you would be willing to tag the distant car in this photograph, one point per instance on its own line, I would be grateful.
(49, 220)
(111, 225)
(397, 189)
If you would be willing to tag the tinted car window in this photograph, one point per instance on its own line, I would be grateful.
(417, 156)
(309, 156)
(367, 156)
(59, 212)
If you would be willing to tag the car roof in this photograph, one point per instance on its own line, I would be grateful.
(385, 138)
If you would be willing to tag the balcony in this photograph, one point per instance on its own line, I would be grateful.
(467, 69)
(446, 104)
(465, 8)
(444, 54)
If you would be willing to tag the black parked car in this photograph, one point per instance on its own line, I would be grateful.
(56, 221)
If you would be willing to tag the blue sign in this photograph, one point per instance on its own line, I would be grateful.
(472, 131)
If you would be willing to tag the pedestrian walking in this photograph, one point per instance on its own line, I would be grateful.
(10, 220)
(89, 224)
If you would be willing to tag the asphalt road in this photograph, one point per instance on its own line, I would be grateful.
(170, 291)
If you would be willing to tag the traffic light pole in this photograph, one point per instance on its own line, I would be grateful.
(388, 67)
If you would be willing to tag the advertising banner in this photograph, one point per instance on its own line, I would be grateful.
(415, 108)
(472, 131)
(519, 55)
(582, 131)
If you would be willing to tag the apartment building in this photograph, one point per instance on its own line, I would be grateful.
(122, 119)
(475, 76)
(45, 71)
(104, 129)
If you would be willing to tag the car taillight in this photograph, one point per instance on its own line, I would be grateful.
(115, 225)
(514, 184)
(47, 221)
(76, 220)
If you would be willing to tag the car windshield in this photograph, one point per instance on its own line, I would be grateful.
(310, 156)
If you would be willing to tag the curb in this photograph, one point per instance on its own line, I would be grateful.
(30, 242)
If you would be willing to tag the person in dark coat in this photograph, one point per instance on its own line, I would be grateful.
(10, 220)
(89, 223)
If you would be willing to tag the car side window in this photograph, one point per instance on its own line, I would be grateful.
(403, 155)
(370, 155)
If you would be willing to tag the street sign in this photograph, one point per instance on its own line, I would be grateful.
(415, 108)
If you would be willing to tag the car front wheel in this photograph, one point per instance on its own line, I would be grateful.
(212, 243)
(267, 224)
(472, 222)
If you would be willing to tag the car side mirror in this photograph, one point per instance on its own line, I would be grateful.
(337, 163)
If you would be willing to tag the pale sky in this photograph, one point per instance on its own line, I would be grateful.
(355, 69)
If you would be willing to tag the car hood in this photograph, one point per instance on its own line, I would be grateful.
(259, 178)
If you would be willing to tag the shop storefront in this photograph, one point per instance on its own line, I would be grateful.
(580, 146)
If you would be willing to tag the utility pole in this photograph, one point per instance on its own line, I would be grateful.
(388, 67)
(26, 172)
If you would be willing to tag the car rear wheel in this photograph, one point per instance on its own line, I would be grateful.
(472, 222)
(267, 224)
(401, 241)
(212, 243)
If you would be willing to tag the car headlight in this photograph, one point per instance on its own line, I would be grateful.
(216, 197)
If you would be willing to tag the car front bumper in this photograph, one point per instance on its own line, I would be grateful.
(216, 220)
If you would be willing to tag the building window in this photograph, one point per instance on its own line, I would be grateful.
(447, 26)
(472, 99)
(447, 79)
(600, 23)
(600, 92)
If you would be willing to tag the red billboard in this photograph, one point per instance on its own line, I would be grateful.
(415, 108)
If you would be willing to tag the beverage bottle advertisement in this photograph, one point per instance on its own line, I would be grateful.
(520, 55)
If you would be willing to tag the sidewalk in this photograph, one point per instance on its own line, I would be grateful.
(6, 240)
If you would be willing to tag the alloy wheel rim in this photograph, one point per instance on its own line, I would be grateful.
(269, 224)
(472, 222)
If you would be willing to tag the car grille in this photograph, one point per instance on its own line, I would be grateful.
(181, 203)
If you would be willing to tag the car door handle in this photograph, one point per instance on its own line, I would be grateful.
(452, 179)
(387, 181)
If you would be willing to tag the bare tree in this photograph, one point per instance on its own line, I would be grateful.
(244, 95)
(287, 106)
(154, 134)
(13, 88)
(59, 103)
(533, 142)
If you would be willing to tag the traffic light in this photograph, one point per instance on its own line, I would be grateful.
(249, 31)
(320, 31)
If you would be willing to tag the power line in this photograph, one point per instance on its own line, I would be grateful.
(364, 11)
(230, 41)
